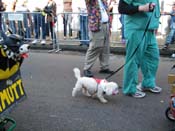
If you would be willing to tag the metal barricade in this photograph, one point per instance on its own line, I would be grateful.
(78, 34)
(66, 28)
(33, 26)
(73, 28)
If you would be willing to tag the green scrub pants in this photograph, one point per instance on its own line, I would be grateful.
(145, 58)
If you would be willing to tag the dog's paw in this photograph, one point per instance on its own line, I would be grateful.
(87, 94)
(104, 101)
(73, 94)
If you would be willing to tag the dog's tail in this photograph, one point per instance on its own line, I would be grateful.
(77, 73)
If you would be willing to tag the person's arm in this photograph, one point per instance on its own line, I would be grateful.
(129, 9)
(125, 8)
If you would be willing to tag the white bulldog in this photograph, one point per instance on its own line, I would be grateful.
(94, 87)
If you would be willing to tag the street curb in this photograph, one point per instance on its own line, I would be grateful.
(115, 50)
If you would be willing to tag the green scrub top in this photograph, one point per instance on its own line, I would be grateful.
(139, 20)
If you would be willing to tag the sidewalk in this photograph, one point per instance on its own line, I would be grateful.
(116, 48)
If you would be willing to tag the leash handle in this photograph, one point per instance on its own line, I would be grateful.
(146, 28)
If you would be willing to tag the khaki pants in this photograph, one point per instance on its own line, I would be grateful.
(98, 48)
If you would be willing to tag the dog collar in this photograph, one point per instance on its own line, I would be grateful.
(97, 80)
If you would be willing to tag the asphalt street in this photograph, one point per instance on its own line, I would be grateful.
(48, 80)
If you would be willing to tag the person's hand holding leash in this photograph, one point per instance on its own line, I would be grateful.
(149, 7)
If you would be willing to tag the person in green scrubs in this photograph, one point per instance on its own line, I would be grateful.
(137, 15)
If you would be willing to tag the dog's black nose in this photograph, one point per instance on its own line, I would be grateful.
(28, 47)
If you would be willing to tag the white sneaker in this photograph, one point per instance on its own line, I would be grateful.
(43, 42)
(35, 41)
(139, 87)
(156, 89)
(173, 55)
(138, 94)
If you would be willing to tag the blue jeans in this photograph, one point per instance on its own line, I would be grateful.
(26, 26)
(50, 29)
(84, 29)
(170, 37)
(23, 28)
(39, 21)
(122, 22)
(13, 27)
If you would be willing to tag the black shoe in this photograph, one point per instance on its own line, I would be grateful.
(106, 71)
(88, 73)
(165, 47)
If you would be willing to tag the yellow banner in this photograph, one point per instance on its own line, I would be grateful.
(11, 91)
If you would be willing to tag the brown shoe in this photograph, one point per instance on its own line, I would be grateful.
(165, 47)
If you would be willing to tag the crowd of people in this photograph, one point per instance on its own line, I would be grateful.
(41, 17)
(38, 23)
(71, 21)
